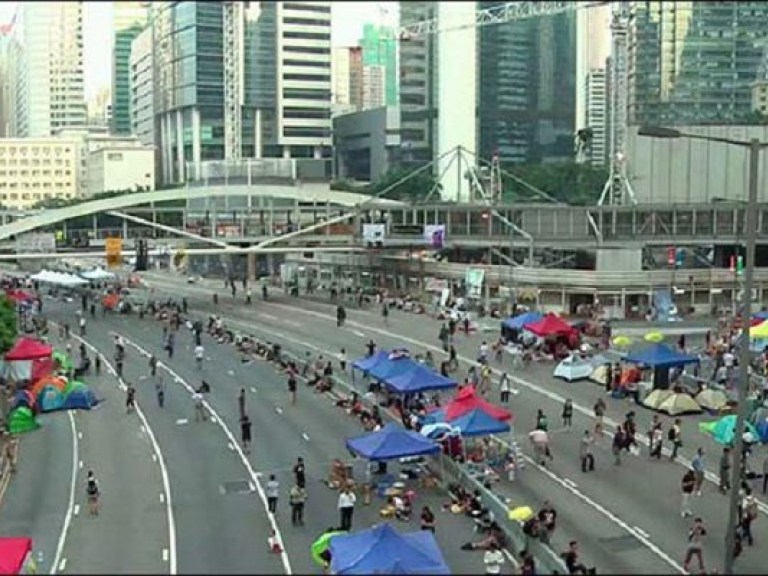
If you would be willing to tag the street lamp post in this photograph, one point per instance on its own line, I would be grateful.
(754, 146)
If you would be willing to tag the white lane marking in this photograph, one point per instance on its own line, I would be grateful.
(253, 389)
(76, 511)
(181, 422)
(143, 429)
(251, 486)
(268, 316)
(641, 531)
(154, 457)
(305, 436)
(213, 419)
(570, 483)
(358, 333)
(165, 554)
(80, 464)
(147, 429)
(162, 497)
(571, 488)
(243, 458)
(512, 559)
(557, 398)
(231, 446)
(71, 504)
(79, 435)
(62, 565)
(278, 410)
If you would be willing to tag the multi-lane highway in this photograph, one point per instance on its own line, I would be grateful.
(627, 518)
(180, 495)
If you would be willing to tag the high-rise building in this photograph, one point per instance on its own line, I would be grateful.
(418, 87)
(235, 81)
(374, 87)
(142, 105)
(527, 91)
(379, 45)
(694, 63)
(129, 19)
(6, 102)
(593, 47)
(100, 108)
(596, 104)
(347, 78)
(49, 75)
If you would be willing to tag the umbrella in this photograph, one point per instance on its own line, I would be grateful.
(622, 341)
(539, 437)
(711, 399)
(656, 398)
(320, 545)
(521, 513)
(654, 337)
(677, 404)
(724, 430)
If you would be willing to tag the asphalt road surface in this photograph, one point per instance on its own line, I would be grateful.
(625, 517)
(220, 520)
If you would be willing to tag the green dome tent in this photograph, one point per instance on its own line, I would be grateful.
(64, 361)
(22, 420)
(73, 385)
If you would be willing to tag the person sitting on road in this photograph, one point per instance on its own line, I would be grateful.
(204, 388)
(494, 536)
(403, 508)
(325, 384)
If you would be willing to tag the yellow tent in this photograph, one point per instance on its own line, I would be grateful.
(677, 404)
(760, 331)
(656, 398)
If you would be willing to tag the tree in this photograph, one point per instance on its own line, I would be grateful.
(569, 182)
(414, 189)
(8, 330)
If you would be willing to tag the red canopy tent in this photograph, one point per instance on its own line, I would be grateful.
(550, 325)
(28, 349)
(13, 553)
(467, 400)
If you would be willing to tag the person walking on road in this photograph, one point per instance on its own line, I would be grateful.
(292, 385)
(199, 355)
(725, 470)
(296, 497)
(696, 535)
(130, 399)
(97, 364)
(675, 437)
(619, 440)
(568, 413)
(493, 559)
(748, 515)
(300, 473)
(248, 296)
(346, 505)
(245, 433)
(697, 464)
(687, 485)
(599, 410)
(197, 399)
(343, 360)
(93, 492)
(241, 402)
(82, 325)
(385, 313)
(153, 366)
(160, 391)
(273, 491)
(585, 452)
(504, 388)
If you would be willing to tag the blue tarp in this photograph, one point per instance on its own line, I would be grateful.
(660, 356)
(517, 322)
(369, 362)
(80, 398)
(762, 315)
(479, 423)
(391, 442)
(383, 550)
(419, 379)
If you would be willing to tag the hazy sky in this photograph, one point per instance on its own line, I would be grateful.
(348, 20)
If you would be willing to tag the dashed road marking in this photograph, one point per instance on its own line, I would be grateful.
(231, 446)
(79, 435)
(162, 498)
(231, 372)
(253, 389)
(278, 410)
(80, 464)
(213, 420)
(154, 457)
(165, 554)
(305, 436)
(358, 333)
(76, 510)
(251, 486)
(62, 565)
(182, 422)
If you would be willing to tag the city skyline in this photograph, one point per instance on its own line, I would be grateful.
(347, 30)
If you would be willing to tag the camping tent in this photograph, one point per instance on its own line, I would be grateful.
(467, 400)
(391, 442)
(28, 349)
(22, 420)
(49, 380)
(677, 404)
(573, 368)
(70, 386)
(64, 361)
(550, 325)
(23, 398)
(383, 550)
(479, 423)
(760, 315)
(519, 321)
(660, 356)
(759, 332)
(13, 554)
(80, 398)
(656, 398)
(50, 398)
(97, 274)
(711, 399)
(419, 379)
(724, 429)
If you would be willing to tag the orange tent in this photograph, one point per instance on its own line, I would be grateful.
(49, 380)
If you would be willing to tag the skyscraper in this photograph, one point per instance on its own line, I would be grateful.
(235, 80)
(596, 104)
(49, 77)
(142, 104)
(347, 78)
(379, 45)
(694, 62)
(129, 19)
(527, 92)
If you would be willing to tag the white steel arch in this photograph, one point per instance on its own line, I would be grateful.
(313, 193)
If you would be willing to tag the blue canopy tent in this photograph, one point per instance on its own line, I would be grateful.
(660, 356)
(479, 423)
(383, 550)
(365, 364)
(384, 365)
(390, 443)
(419, 379)
(517, 322)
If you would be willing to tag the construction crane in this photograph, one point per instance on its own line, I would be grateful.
(617, 189)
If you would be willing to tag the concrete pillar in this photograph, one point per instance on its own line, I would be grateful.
(196, 153)
(251, 266)
(180, 146)
(563, 301)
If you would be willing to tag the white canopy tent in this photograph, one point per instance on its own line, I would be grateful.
(97, 274)
(58, 279)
